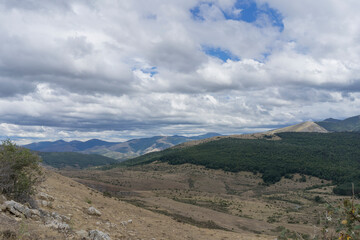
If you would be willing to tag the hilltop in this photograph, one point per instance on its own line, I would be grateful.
(301, 127)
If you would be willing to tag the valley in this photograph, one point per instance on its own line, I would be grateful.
(214, 199)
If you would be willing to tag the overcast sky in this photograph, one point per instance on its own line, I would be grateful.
(120, 69)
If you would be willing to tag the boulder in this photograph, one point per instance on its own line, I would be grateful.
(98, 235)
(19, 210)
(93, 211)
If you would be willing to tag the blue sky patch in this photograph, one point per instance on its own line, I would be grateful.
(244, 10)
(220, 53)
(152, 71)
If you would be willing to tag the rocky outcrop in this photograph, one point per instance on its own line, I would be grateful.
(19, 210)
(52, 220)
(57, 221)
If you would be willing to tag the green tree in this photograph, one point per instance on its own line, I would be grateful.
(19, 171)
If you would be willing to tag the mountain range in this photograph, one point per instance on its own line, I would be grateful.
(351, 124)
(121, 151)
(116, 150)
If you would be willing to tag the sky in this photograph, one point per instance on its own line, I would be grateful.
(118, 69)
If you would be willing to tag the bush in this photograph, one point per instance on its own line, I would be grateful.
(19, 171)
(271, 176)
(319, 199)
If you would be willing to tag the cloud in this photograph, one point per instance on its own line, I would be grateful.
(166, 67)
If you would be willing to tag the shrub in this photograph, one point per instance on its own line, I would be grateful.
(271, 176)
(19, 171)
(318, 199)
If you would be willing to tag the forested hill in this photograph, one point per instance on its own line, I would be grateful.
(74, 160)
(331, 156)
(351, 124)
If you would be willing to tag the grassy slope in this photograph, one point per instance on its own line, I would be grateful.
(76, 160)
(332, 156)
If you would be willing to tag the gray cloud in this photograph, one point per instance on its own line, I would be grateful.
(138, 68)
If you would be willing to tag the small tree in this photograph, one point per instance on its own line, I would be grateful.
(19, 171)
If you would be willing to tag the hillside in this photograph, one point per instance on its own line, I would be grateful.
(116, 150)
(332, 156)
(67, 203)
(351, 124)
(74, 160)
(213, 198)
(269, 135)
(301, 127)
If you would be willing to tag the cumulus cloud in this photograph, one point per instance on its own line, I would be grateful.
(135, 68)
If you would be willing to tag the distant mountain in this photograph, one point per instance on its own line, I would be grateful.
(63, 146)
(116, 150)
(351, 124)
(332, 120)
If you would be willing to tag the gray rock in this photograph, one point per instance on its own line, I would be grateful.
(93, 211)
(58, 225)
(44, 203)
(124, 223)
(56, 221)
(98, 235)
(35, 214)
(46, 197)
(20, 210)
(17, 209)
(56, 216)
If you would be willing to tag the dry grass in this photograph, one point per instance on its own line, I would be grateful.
(239, 202)
(148, 221)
